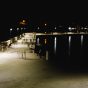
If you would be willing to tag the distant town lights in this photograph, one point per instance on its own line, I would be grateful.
(21, 28)
(55, 28)
(17, 28)
(69, 28)
(45, 24)
(24, 21)
(24, 28)
(85, 28)
(11, 29)
(38, 28)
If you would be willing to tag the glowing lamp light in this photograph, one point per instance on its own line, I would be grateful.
(55, 28)
(38, 28)
(23, 22)
(11, 29)
(45, 24)
(17, 28)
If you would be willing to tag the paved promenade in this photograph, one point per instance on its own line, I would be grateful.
(22, 68)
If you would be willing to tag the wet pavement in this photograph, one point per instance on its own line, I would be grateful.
(30, 71)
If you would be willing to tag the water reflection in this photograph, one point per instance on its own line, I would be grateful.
(55, 44)
(38, 41)
(69, 45)
(81, 41)
(45, 41)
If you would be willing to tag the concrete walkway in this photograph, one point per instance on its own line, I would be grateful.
(33, 72)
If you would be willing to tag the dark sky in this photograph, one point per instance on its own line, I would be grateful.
(36, 11)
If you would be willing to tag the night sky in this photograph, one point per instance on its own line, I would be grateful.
(54, 12)
(39, 12)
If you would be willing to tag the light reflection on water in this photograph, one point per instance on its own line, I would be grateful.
(81, 40)
(55, 44)
(69, 45)
(38, 41)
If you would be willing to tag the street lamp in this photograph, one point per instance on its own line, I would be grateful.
(17, 29)
(70, 28)
(10, 30)
(55, 28)
(45, 24)
(21, 28)
(38, 28)
(45, 27)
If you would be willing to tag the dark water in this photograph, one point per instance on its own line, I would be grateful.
(66, 50)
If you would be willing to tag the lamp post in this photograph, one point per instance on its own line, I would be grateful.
(10, 36)
(10, 30)
(45, 27)
(55, 29)
(38, 29)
